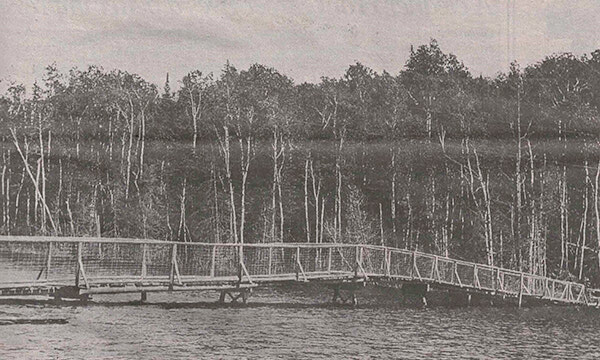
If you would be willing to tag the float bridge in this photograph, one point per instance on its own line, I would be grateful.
(77, 267)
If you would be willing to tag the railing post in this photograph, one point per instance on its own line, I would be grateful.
(434, 269)
(213, 263)
(172, 270)
(329, 259)
(457, 280)
(173, 266)
(80, 269)
(143, 294)
(412, 265)
(582, 293)
(299, 269)
(144, 267)
(297, 263)
(360, 258)
(241, 262)
(49, 260)
(454, 269)
(270, 258)
(521, 290)
(499, 285)
(356, 259)
(78, 266)
(388, 255)
(242, 267)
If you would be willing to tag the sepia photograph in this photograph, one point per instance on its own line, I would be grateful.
(299, 179)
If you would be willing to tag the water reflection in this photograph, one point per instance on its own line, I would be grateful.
(294, 323)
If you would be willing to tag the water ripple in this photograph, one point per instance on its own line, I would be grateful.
(298, 328)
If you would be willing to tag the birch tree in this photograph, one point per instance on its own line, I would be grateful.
(193, 95)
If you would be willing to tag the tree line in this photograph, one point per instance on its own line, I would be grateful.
(434, 95)
(501, 170)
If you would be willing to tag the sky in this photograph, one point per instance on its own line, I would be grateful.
(303, 39)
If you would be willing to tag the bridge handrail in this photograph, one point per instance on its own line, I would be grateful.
(77, 239)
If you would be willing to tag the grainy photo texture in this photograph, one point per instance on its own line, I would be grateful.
(204, 179)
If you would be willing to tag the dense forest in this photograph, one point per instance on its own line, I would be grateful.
(500, 170)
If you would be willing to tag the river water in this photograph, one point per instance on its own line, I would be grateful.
(292, 323)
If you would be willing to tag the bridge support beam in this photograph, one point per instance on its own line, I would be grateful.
(344, 296)
(459, 299)
(71, 293)
(235, 295)
(344, 293)
(416, 291)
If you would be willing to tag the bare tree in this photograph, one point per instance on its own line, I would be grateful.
(193, 93)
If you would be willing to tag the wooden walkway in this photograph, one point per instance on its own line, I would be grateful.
(71, 267)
